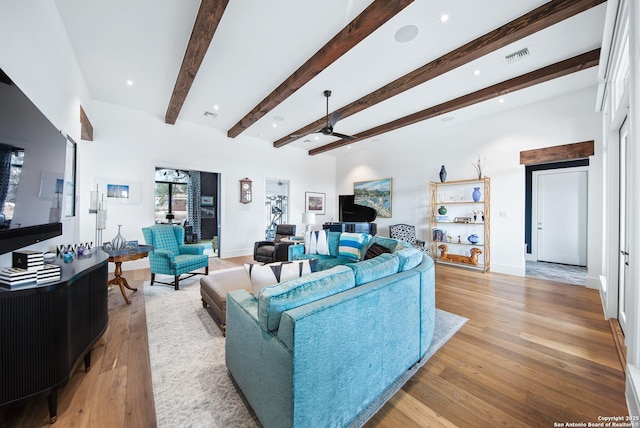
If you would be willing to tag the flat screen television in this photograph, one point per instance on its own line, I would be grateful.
(33, 156)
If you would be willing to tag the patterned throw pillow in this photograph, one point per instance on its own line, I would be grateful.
(315, 242)
(273, 273)
(375, 250)
(351, 245)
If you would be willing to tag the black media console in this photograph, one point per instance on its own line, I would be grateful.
(47, 329)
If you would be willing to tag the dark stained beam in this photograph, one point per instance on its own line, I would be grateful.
(86, 128)
(554, 71)
(538, 19)
(561, 153)
(376, 14)
(207, 20)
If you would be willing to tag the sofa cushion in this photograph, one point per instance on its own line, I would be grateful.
(315, 242)
(273, 273)
(392, 244)
(375, 250)
(273, 301)
(375, 268)
(409, 258)
(352, 244)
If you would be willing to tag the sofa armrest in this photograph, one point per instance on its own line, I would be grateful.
(165, 254)
(191, 249)
(294, 251)
(282, 250)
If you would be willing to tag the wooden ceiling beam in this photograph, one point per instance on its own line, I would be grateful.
(206, 23)
(554, 71)
(565, 152)
(536, 20)
(374, 16)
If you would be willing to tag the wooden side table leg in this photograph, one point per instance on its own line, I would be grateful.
(121, 282)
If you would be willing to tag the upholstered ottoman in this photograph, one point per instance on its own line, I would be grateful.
(215, 286)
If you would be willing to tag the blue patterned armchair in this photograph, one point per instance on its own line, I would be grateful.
(171, 256)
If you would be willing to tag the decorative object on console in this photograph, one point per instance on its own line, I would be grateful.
(443, 174)
(98, 206)
(245, 191)
(476, 194)
(118, 242)
(315, 202)
(458, 258)
(308, 219)
(442, 210)
(375, 194)
(473, 238)
(478, 167)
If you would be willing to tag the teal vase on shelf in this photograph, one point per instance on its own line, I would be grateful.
(442, 210)
(476, 194)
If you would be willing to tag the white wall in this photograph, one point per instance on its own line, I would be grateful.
(37, 55)
(129, 144)
(415, 161)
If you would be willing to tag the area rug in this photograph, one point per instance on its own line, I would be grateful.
(191, 384)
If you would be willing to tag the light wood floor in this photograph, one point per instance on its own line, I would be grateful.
(533, 352)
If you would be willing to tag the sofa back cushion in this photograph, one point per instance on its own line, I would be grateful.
(392, 244)
(375, 268)
(273, 273)
(409, 258)
(275, 300)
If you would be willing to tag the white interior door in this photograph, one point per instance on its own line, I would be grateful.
(561, 215)
(623, 255)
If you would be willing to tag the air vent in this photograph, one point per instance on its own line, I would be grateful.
(516, 56)
(211, 114)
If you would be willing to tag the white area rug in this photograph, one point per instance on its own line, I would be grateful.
(191, 384)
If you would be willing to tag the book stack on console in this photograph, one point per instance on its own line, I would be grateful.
(29, 260)
(16, 276)
(48, 273)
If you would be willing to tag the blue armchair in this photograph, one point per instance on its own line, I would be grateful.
(171, 256)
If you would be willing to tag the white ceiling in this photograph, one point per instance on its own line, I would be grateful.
(259, 43)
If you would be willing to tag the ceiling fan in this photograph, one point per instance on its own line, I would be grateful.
(331, 122)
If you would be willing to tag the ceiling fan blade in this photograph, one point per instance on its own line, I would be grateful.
(343, 136)
(335, 117)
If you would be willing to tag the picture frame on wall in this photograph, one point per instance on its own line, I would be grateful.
(315, 202)
(375, 194)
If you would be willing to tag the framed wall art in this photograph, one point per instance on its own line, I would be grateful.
(315, 202)
(375, 194)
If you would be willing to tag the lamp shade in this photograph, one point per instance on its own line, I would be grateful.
(308, 218)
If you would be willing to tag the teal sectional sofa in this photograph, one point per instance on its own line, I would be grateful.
(317, 350)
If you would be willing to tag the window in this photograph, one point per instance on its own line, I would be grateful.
(171, 195)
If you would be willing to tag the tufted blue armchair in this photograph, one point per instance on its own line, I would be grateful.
(171, 256)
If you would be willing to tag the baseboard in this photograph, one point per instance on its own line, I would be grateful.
(508, 270)
(631, 392)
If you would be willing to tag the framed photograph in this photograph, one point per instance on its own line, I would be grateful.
(119, 191)
(375, 194)
(315, 202)
(206, 201)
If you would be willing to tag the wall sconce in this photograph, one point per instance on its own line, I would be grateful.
(308, 219)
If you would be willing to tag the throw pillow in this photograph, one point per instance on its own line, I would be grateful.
(274, 273)
(375, 250)
(315, 242)
(409, 258)
(351, 245)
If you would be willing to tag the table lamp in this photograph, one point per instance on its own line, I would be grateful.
(308, 219)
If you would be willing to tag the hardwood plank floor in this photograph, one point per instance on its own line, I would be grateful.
(533, 352)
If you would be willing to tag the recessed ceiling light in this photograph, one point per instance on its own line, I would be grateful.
(476, 72)
(129, 82)
(444, 17)
(501, 100)
(215, 107)
(406, 33)
(275, 125)
(348, 147)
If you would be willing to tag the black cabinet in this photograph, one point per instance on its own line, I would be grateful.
(45, 330)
